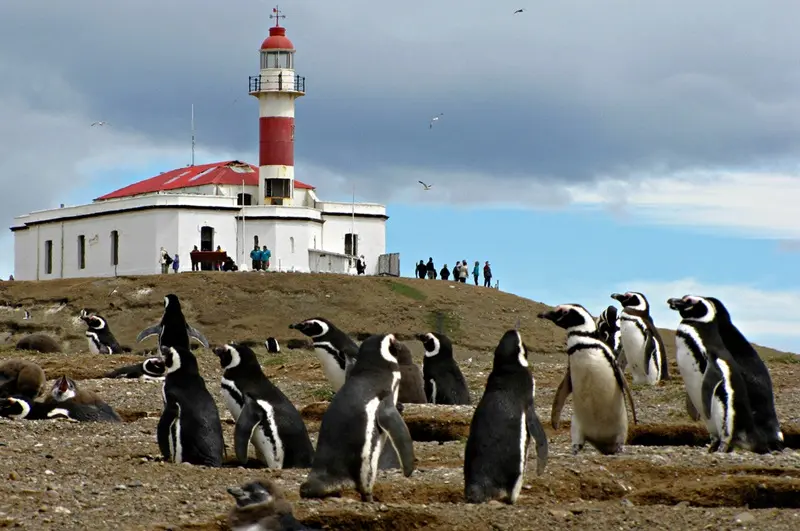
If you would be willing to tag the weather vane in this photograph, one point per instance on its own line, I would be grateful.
(276, 14)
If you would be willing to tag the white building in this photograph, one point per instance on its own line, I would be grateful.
(229, 204)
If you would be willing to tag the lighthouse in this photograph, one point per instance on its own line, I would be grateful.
(276, 87)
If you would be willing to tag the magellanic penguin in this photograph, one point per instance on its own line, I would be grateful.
(356, 425)
(83, 405)
(412, 390)
(263, 414)
(608, 331)
(273, 347)
(335, 350)
(173, 330)
(21, 378)
(189, 430)
(20, 407)
(262, 506)
(720, 389)
(444, 381)
(598, 387)
(101, 339)
(502, 428)
(644, 349)
(149, 369)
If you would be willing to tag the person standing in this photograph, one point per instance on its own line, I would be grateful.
(463, 271)
(193, 257)
(487, 275)
(445, 273)
(176, 263)
(255, 256)
(164, 259)
(430, 269)
(476, 271)
(266, 254)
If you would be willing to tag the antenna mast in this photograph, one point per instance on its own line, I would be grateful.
(192, 164)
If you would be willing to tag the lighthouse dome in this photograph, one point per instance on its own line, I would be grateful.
(277, 40)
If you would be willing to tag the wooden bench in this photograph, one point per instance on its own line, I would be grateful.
(208, 260)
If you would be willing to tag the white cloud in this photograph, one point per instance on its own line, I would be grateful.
(750, 204)
(769, 318)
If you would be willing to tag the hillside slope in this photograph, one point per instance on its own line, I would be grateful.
(254, 306)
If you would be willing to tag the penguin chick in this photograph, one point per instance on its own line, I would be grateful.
(412, 388)
(261, 506)
(83, 405)
(21, 378)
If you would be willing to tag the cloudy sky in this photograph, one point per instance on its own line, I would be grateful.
(607, 134)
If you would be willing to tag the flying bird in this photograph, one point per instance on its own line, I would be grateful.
(100, 123)
(425, 186)
(519, 11)
(435, 118)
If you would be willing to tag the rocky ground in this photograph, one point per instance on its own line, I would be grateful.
(65, 475)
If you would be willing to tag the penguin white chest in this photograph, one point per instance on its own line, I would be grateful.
(228, 397)
(598, 403)
(175, 437)
(688, 366)
(330, 367)
(633, 343)
(93, 343)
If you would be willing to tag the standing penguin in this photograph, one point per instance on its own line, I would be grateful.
(335, 350)
(356, 425)
(412, 390)
(444, 381)
(189, 430)
(502, 427)
(173, 330)
(263, 414)
(598, 387)
(714, 379)
(644, 349)
(101, 339)
(83, 405)
(149, 369)
(262, 506)
(21, 378)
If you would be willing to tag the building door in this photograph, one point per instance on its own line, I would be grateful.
(206, 244)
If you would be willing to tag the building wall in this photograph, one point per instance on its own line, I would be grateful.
(188, 234)
(371, 239)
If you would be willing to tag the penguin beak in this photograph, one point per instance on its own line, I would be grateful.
(618, 296)
(552, 315)
(421, 337)
(293, 326)
(218, 351)
(678, 304)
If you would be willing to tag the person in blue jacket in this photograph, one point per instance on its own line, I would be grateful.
(266, 254)
(255, 256)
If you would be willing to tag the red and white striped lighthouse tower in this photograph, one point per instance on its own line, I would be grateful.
(276, 87)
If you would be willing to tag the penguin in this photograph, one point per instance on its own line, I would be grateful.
(335, 350)
(21, 378)
(272, 345)
(412, 390)
(714, 379)
(598, 387)
(189, 430)
(39, 342)
(173, 330)
(503, 425)
(644, 349)
(81, 404)
(101, 339)
(27, 316)
(263, 414)
(262, 506)
(22, 407)
(609, 332)
(444, 382)
(358, 422)
(149, 369)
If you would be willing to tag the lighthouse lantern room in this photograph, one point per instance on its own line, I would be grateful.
(276, 87)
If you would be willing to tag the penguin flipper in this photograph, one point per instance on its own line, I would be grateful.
(622, 360)
(560, 398)
(249, 419)
(147, 332)
(650, 350)
(626, 390)
(536, 430)
(390, 421)
(693, 413)
(168, 418)
(196, 334)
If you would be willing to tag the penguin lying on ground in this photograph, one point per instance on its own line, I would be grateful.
(173, 330)
(335, 350)
(444, 381)
(21, 378)
(189, 430)
(81, 404)
(358, 422)
(263, 414)
(39, 342)
(20, 407)
(101, 339)
(502, 428)
(149, 369)
(645, 353)
(598, 387)
(720, 388)
(412, 390)
(261, 506)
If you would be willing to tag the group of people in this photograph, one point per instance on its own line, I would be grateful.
(260, 258)
(460, 272)
(165, 260)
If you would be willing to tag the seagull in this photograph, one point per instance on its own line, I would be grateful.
(434, 119)
(518, 11)
(100, 123)
(426, 186)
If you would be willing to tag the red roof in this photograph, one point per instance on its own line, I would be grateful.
(277, 40)
(228, 172)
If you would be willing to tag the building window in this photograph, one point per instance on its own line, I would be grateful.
(244, 199)
(351, 244)
(276, 187)
(114, 247)
(207, 238)
(286, 59)
(292, 132)
(81, 252)
(48, 257)
(315, 242)
(291, 243)
(255, 241)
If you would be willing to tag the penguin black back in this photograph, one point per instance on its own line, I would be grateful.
(502, 427)
(443, 379)
(20, 407)
(412, 388)
(150, 369)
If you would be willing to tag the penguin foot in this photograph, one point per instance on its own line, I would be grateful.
(366, 497)
(714, 446)
(576, 448)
